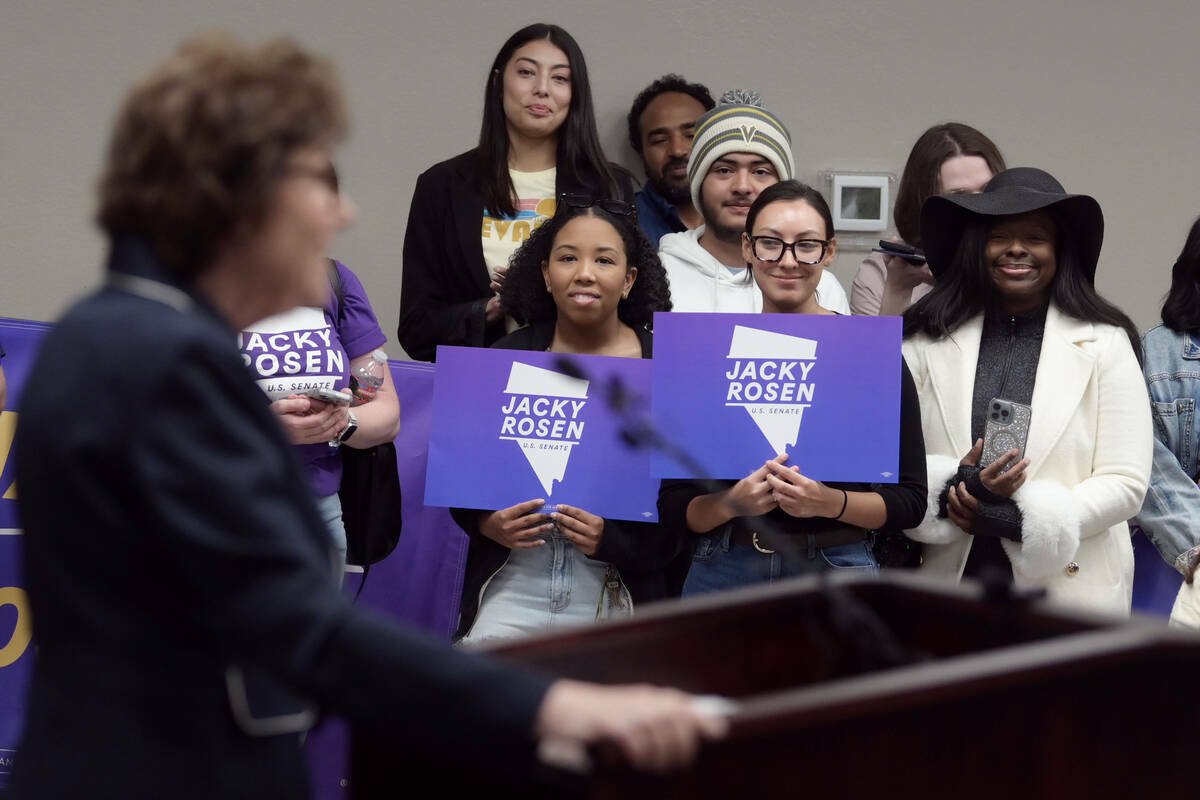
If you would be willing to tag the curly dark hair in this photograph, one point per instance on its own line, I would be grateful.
(524, 294)
(667, 83)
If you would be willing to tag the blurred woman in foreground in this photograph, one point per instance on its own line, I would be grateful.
(176, 563)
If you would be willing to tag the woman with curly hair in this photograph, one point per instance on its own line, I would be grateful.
(588, 283)
(777, 522)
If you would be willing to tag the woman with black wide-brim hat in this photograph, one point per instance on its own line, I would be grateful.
(1015, 320)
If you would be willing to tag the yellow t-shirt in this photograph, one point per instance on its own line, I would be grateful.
(535, 204)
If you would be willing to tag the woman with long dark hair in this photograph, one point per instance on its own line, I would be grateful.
(950, 158)
(538, 140)
(589, 282)
(776, 522)
(1014, 322)
(1170, 515)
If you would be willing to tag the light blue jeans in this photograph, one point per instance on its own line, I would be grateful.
(330, 508)
(542, 588)
(719, 564)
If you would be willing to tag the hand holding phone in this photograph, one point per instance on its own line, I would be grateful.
(1006, 428)
(901, 250)
(330, 396)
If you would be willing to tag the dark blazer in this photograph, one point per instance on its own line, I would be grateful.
(181, 577)
(446, 285)
(651, 558)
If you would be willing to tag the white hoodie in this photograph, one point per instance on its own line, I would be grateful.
(701, 283)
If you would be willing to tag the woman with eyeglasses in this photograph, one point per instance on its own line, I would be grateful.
(589, 282)
(776, 522)
(470, 214)
(950, 158)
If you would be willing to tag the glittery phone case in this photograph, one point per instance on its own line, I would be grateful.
(1006, 428)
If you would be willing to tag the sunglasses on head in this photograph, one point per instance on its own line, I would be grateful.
(617, 207)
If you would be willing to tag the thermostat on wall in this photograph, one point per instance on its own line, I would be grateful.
(860, 202)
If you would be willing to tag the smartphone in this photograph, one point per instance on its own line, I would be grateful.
(1006, 428)
(330, 395)
(905, 251)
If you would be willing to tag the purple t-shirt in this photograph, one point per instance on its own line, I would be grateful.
(311, 348)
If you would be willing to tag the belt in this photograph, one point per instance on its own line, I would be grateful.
(795, 543)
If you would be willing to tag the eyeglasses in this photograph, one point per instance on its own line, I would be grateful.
(617, 207)
(326, 174)
(805, 251)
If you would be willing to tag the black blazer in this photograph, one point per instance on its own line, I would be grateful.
(446, 285)
(181, 578)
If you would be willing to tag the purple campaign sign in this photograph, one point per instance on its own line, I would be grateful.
(512, 425)
(733, 390)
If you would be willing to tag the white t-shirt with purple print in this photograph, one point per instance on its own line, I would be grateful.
(310, 348)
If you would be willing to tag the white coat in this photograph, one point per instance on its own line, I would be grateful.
(1089, 445)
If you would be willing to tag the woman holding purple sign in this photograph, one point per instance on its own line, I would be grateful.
(589, 282)
(1034, 407)
(776, 522)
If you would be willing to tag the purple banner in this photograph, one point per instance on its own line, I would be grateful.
(734, 390)
(21, 341)
(514, 425)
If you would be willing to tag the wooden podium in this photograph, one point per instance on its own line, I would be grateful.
(848, 686)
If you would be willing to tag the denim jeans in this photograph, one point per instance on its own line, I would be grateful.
(719, 564)
(330, 508)
(542, 588)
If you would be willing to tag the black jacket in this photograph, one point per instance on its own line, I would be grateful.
(446, 285)
(649, 557)
(171, 547)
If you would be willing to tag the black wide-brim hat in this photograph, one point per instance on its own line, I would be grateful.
(1015, 191)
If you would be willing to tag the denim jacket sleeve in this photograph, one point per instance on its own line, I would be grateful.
(1170, 514)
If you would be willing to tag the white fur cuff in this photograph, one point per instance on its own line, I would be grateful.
(1049, 529)
(938, 470)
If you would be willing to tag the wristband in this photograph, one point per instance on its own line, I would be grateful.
(845, 501)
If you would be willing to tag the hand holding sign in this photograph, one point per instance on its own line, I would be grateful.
(516, 527)
(582, 529)
(751, 496)
(799, 495)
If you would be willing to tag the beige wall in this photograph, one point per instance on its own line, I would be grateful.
(1100, 93)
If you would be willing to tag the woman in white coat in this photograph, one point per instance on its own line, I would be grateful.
(1014, 316)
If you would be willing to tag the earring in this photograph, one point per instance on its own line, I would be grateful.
(624, 295)
(548, 289)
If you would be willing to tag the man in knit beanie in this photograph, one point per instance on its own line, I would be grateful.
(739, 149)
